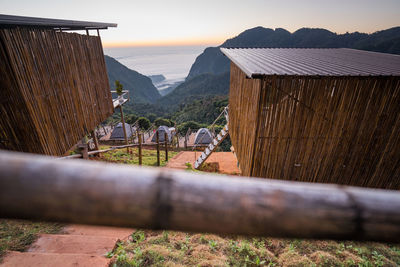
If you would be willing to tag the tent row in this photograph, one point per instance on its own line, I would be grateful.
(202, 137)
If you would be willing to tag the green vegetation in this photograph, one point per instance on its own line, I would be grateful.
(204, 110)
(149, 157)
(201, 86)
(144, 123)
(167, 248)
(194, 126)
(118, 87)
(152, 117)
(17, 235)
(161, 121)
(131, 118)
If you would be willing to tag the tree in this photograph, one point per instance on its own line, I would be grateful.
(161, 121)
(184, 127)
(144, 123)
(131, 118)
(118, 87)
(151, 116)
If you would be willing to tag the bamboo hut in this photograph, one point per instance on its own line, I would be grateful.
(54, 85)
(316, 115)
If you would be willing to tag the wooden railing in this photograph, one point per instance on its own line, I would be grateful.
(121, 99)
(77, 191)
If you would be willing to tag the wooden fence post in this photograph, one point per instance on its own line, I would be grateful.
(158, 148)
(96, 142)
(185, 142)
(123, 127)
(166, 146)
(83, 150)
(140, 147)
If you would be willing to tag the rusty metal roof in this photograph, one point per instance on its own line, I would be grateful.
(45, 23)
(258, 62)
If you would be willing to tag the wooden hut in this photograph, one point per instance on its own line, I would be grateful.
(316, 115)
(53, 84)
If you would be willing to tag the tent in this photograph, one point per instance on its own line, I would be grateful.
(161, 134)
(118, 132)
(203, 137)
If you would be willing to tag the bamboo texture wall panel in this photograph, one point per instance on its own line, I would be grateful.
(54, 89)
(343, 130)
(244, 95)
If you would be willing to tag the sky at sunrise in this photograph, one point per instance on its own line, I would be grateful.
(210, 22)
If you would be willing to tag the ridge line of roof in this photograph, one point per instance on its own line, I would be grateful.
(48, 23)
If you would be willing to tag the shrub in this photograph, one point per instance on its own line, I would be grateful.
(144, 123)
(161, 121)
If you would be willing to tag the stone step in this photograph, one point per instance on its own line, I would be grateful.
(75, 244)
(89, 230)
(27, 259)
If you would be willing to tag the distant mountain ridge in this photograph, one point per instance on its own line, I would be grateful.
(141, 88)
(213, 61)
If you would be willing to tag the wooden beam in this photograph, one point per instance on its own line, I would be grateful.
(124, 128)
(166, 146)
(140, 147)
(158, 148)
(83, 150)
(41, 188)
(95, 141)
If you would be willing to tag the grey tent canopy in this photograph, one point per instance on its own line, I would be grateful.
(118, 132)
(203, 137)
(161, 134)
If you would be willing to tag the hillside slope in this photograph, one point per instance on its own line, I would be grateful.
(140, 87)
(193, 89)
(213, 61)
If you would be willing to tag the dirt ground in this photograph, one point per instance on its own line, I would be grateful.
(226, 160)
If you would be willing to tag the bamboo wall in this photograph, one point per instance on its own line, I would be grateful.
(54, 89)
(244, 97)
(343, 130)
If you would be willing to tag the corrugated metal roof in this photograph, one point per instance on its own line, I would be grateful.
(256, 62)
(11, 21)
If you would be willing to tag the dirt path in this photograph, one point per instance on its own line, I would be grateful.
(76, 245)
(226, 160)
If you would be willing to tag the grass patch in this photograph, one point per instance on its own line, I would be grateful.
(17, 235)
(167, 248)
(149, 156)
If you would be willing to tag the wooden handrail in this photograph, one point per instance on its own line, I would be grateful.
(87, 192)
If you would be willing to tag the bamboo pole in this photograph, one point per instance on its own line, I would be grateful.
(123, 127)
(185, 141)
(41, 188)
(166, 146)
(158, 148)
(95, 140)
(83, 150)
(140, 147)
